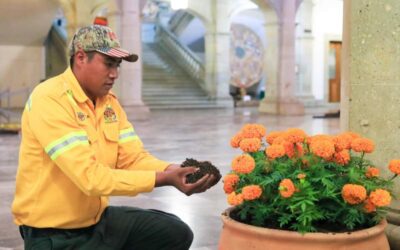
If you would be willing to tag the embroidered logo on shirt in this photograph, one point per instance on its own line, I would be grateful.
(109, 115)
(81, 116)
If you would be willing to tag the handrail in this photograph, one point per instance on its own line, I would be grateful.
(184, 56)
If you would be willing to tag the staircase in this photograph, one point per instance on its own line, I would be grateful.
(167, 86)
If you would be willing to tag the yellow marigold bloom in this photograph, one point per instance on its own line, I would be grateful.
(275, 151)
(235, 140)
(251, 192)
(235, 199)
(343, 141)
(380, 198)
(295, 135)
(323, 148)
(286, 188)
(272, 136)
(243, 164)
(342, 157)
(301, 176)
(253, 131)
(230, 181)
(394, 166)
(250, 144)
(354, 194)
(369, 207)
(362, 145)
(372, 172)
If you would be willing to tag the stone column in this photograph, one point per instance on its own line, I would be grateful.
(217, 43)
(371, 85)
(284, 101)
(130, 84)
(304, 52)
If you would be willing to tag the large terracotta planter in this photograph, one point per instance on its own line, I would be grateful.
(240, 236)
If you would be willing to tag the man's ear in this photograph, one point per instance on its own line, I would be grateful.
(80, 57)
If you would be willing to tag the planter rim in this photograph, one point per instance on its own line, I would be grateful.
(360, 234)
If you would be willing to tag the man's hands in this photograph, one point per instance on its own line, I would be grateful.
(175, 176)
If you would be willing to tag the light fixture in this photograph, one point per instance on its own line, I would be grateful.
(179, 4)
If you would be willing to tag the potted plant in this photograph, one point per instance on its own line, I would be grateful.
(289, 190)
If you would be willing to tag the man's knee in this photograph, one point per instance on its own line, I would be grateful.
(183, 235)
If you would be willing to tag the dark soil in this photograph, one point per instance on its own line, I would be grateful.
(205, 168)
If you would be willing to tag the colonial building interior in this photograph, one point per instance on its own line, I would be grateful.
(206, 68)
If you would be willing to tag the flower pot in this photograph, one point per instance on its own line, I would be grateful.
(240, 236)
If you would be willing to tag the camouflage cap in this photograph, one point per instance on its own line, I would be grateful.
(101, 39)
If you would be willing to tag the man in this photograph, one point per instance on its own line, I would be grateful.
(78, 148)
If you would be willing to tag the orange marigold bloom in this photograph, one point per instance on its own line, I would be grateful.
(311, 139)
(286, 188)
(230, 180)
(272, 136)
(342, 157)
(369, 207)
(289, 147)
(322, 148)
(251, 192)
(235, 199)
(362, 145)
(353, 134)
(394, 166)
(275, 151)
(250, 144)
(301, 176)
(295, 135)
(243, 164)
(253, 131)
(354, 194)
(235, 140)
(380, 197)
(342, 141)
(372, 172)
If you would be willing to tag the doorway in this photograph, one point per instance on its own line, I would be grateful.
(335, 49)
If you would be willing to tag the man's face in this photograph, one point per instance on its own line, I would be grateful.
(100, 72)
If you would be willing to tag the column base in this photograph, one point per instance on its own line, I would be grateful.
(137, 112)
(393, 228)
(281, 107)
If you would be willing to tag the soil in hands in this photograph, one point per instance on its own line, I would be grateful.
(205, 167)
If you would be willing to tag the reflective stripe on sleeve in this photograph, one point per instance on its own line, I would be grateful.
(126, 135)
(66, 143)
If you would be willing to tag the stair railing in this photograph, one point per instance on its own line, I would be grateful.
(184, 56)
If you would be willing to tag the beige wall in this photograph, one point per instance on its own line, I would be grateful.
(20, 67)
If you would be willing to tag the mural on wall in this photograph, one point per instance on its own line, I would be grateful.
(246, 58)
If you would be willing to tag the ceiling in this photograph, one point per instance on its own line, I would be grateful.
(25, 22)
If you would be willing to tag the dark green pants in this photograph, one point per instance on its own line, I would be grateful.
(124, 228)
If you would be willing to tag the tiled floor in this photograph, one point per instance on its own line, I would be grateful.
(173, 136)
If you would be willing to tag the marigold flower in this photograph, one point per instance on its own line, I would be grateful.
(235, 140)
(301, 176)
(275, 151)
(243, 164)
(251, 192)
(289, 147)
(372, 172)
(362, 145)
(250, 144)
(369, 207)
(394, 166)
(380, 197)
(353, 134)
(253, 131)
(235, 199)
(342, 141)
(342, 157)
(354, 194)
(295, 135)
(311, 139)
(272, 136)
(286, 188)
(230, 180)
(322, 148)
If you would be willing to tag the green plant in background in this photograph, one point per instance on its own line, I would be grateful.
(289, 180)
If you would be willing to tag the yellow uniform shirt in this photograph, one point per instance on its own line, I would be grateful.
(73, 155)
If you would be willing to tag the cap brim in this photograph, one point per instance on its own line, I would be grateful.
(119, 53)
